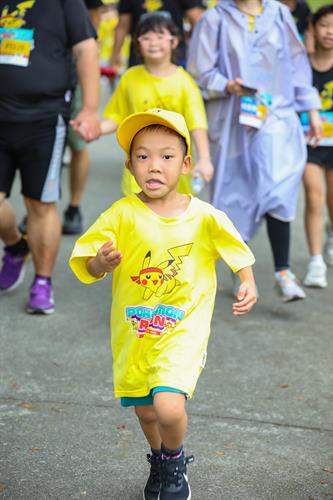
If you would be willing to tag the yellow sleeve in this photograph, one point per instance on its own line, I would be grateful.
(229, 244)
(117, 108)
(87, 246)
(194, 108)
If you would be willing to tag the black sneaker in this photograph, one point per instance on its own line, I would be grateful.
(153, 485)
(174, 479)
(72, 221)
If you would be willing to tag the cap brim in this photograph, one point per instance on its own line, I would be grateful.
(136, 122)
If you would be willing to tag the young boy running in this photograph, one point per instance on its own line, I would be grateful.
(161, 247)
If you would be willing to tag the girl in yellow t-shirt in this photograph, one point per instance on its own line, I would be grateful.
(159, 83)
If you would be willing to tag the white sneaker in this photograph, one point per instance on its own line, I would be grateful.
(316, 275)
(328, 247)
(287, 286)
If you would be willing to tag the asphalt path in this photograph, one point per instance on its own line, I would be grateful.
(261, 420)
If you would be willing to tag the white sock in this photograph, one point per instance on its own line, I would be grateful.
(316, 259)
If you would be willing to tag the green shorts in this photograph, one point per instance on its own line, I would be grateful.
(149, 399)
(74, 141)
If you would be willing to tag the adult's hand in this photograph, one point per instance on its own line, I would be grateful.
(236, 87)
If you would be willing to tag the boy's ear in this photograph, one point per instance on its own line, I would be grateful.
(128, 164)
(187, 164)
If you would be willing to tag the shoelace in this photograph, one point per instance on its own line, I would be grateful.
(174, 475)
(41, 288)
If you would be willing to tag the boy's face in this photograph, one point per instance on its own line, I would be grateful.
(157, 161)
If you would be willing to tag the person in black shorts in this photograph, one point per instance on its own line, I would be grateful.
(35, 95)
(130, 12)
(320, 159)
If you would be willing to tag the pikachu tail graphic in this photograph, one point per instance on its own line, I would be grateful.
(177, 253)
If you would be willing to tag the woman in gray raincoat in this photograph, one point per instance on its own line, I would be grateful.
(255, 76)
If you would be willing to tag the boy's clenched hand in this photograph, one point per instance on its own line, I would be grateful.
(106, 260)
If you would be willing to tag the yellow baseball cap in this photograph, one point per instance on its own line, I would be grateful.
(136, 122)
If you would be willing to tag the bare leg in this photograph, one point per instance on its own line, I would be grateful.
(165, 422)
(148, 421)
(164, 426)
(79, 170)
(8, 228)
(43, 229)
(171, 418)
(329, 194)
(314, 202)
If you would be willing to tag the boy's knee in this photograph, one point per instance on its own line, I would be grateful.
(146, 414)
(169, 408)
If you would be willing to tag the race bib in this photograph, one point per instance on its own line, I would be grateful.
(16, 45)
(253, 109)
(327, 121)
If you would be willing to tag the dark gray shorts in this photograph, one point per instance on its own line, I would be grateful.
(34, 149)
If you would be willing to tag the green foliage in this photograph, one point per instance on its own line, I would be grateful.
(315, 4)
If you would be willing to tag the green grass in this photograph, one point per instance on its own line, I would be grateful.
(315, 4)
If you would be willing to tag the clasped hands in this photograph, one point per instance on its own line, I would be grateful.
(87, 125)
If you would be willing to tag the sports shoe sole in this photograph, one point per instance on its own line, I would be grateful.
(145, 498)
(286, 300)
(315, 284)
(292, 298)
(188, 497)
(31, 310)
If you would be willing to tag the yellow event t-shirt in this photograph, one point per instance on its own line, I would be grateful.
(163, 292)
(138, 90)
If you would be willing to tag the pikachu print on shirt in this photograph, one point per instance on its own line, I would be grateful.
(152, 5)
(16, 42)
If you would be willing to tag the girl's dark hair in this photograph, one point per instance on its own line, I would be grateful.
(323, 11)
(157, 22)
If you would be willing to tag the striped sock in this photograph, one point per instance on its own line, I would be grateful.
(171, 454)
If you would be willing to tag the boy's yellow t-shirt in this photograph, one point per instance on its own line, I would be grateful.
(138, 90)
(163, 292)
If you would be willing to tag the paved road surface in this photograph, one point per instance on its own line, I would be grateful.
(261, 421)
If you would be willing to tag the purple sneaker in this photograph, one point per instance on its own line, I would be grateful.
(41, 297)
(12, 271)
